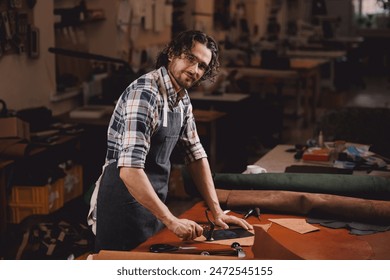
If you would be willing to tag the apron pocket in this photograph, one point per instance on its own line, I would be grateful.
(166, 149)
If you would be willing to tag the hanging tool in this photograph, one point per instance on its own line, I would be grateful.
(7, 31)
(90, 56)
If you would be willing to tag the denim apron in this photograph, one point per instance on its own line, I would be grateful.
(123, 223)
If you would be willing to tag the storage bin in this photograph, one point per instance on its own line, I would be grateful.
(30, 200)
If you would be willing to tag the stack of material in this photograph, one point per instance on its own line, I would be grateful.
(344, 197)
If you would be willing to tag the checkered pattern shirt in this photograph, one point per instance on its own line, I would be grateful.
(137, 116)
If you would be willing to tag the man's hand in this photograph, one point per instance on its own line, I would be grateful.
(223, 220)
(185, 229)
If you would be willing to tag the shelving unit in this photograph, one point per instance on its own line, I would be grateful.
(79, 23)
(69, 25)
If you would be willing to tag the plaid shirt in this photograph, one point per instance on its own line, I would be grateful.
(137, 117)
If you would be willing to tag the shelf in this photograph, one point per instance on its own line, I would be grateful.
(78, 23)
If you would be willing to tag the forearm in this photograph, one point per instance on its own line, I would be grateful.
(141, 189)
(201, 174)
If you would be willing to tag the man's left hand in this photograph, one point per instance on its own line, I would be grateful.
(223, 220)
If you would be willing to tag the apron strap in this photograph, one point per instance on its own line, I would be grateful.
(165, 110)
(165, 96)
(181, 116)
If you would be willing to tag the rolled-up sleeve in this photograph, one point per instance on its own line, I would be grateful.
(139, 115)
(189, 140)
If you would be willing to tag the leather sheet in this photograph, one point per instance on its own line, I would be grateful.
(283, 244)
(267, 248)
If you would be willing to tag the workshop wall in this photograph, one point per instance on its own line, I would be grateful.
(31, 82)
(27, 82)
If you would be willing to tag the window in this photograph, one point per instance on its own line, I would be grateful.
(369, 7)
(372, 13)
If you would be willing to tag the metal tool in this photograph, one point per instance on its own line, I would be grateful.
(164, 248)
(209, 230)
(250, 211)
(253, 212)
(257, 211)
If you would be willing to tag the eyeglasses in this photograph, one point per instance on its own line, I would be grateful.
(192, 59)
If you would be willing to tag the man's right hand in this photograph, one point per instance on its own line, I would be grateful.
(185, 229)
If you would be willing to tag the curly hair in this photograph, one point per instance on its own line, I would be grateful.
(184, 43)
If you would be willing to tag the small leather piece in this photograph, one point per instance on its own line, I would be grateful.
(267, 248)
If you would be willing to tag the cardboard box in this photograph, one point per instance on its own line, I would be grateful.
(14, 127)
(316, 154)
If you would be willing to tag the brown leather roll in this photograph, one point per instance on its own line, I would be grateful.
(308, 204)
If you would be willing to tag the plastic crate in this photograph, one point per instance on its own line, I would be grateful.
(30, 200)
(73, 182)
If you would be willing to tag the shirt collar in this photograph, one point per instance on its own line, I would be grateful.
(173, 97)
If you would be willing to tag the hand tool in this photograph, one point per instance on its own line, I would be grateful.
(250, 211)
(209, 230)
(163, 248)
(257, 211)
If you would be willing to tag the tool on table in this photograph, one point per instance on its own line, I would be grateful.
(240, 252)
(247, 214)
(252, 212)
(257, 212)
(300, 150)
(209, 230)
(164, 248)
(237, 251)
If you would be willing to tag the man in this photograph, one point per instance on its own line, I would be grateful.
(151, 116)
